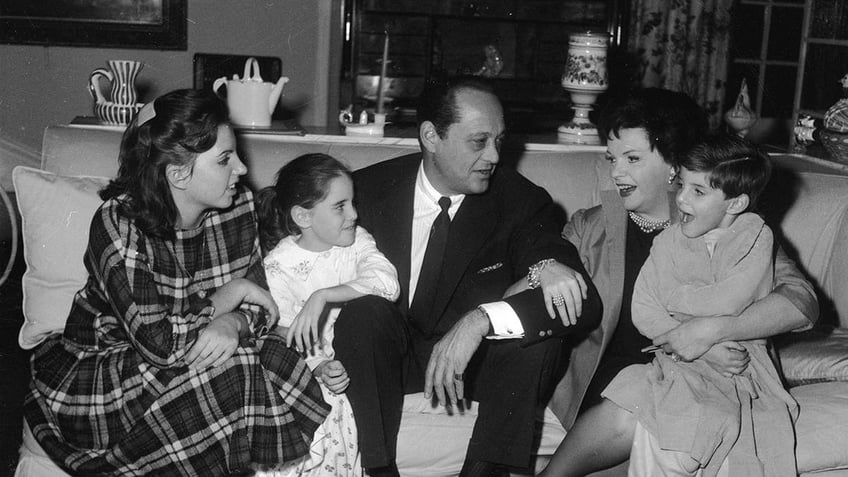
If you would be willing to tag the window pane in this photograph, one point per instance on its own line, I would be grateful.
(779, 91)
(821, 78)
(747, 31)
(785, 33)
(830, 19)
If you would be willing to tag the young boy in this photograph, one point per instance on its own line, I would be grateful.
(715, 262)
(686, 417)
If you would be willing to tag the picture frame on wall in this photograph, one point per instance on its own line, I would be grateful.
(140, 24)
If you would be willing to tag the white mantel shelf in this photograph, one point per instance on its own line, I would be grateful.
(333, 136)
(406, 142)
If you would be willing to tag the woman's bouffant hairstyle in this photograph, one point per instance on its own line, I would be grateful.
(184, 124)
(304, 181)
(734, 165)
(673, 121)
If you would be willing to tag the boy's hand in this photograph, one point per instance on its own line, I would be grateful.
(333, 374)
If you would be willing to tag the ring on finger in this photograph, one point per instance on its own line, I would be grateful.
(458, 376)
(558, 300)
(675, 357)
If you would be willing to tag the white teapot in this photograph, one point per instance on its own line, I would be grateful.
(251, 100)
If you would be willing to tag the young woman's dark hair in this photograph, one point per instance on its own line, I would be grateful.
(180, 125)
(304, 181)
(733, 164)
(437, 103)
(673, 121)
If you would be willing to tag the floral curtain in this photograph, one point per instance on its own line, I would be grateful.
(682, 45)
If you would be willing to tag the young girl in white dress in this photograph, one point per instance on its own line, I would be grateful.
(317, 259)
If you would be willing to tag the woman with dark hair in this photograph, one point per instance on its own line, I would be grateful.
(647, 132)
(165, 366)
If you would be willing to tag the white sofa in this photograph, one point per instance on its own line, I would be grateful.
(809, 209)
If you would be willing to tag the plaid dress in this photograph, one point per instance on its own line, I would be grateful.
(112, 395)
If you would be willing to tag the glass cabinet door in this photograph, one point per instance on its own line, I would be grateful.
(524, 41)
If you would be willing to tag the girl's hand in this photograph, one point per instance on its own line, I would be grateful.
(333, 374)
(728, 358)
(256, 295)
(240, 290)
(304, 329)
(216, 343)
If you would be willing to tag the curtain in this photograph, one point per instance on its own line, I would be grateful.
(682, 45)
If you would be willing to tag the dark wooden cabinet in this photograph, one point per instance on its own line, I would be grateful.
(443, 39)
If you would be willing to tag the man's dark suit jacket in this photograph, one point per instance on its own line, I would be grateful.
(494, 238)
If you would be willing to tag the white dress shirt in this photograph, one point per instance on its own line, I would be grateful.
(505, 321)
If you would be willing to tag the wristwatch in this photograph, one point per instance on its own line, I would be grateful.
(534, 271)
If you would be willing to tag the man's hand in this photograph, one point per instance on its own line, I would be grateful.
(334, 375)
(728, 358)
(691, 339)
(564, 288)
(451, 355)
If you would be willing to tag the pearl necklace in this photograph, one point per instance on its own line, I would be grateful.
(648, 225)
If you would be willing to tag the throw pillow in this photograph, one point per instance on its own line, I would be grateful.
(56, 215)
(815, 356)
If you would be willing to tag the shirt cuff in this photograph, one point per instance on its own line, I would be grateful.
(504, 320)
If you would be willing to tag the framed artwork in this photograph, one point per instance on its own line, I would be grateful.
(142, 24)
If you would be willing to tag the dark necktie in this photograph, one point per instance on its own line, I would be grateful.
(431, 268)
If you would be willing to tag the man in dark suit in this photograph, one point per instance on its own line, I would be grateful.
(496, 228)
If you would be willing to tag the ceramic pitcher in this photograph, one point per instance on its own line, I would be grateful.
(250, 99)
(121, 105)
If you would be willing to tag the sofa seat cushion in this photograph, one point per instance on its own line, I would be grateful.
(431, 442)
(815, 356)
(822, 427)
(56, 214)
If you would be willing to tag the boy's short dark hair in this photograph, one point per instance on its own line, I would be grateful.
(734, 165)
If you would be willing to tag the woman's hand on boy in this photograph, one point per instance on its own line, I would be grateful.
(691, 339)
(303, 331)
(216, 343)
(334, 375)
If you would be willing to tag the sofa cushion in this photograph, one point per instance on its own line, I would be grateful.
(815, 356)
(56, 214)
(822, 426)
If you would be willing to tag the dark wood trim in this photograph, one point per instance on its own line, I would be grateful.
(170, 34)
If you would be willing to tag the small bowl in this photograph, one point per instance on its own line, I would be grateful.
(364, 130)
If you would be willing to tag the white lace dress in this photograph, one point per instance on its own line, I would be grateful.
(293, 275)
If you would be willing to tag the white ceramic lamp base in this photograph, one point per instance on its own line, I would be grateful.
(585, 78)
(579, 130)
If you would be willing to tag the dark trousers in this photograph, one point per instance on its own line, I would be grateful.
(371, 341)
(509, 381)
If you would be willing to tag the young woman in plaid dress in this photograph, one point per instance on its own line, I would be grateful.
(166, 366)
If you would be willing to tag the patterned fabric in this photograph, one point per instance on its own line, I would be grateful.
(683, 46)
(112, 396)
(293, 275)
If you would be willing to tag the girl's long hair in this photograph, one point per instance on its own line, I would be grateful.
(185, 124)
(304, 181)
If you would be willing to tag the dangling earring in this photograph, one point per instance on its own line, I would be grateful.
(672, 174)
